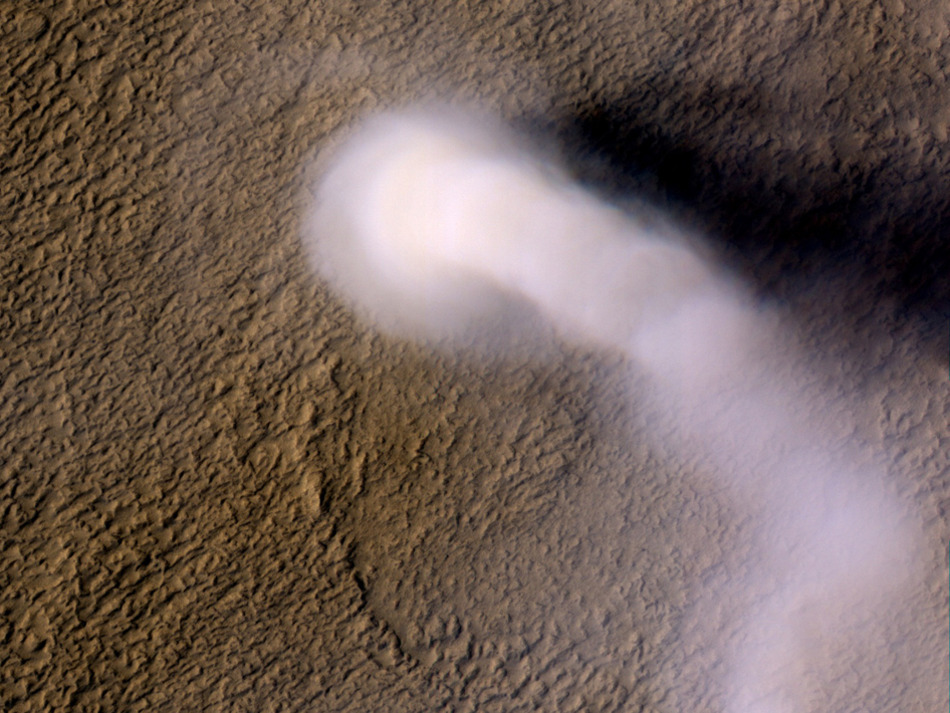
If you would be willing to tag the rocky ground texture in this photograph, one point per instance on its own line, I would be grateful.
(221, 491)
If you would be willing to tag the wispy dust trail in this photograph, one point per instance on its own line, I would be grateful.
(422, 218)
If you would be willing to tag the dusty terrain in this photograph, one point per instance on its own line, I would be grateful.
(220, 491)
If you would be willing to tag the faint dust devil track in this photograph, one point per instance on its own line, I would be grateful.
(422, 218)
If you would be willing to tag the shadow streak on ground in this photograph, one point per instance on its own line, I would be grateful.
(878, 227)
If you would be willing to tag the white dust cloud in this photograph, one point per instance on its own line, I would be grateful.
(422, 219)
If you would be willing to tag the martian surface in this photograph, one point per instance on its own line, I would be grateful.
(452, 356)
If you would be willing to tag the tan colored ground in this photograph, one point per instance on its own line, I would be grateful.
(219, 492)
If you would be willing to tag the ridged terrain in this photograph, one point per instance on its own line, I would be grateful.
(220, 491)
